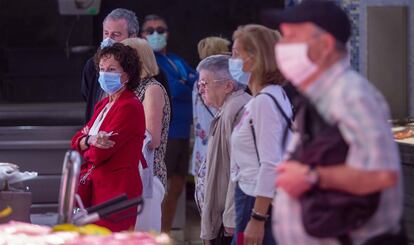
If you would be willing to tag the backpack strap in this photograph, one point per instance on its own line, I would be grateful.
(287, 119)
(254, 140)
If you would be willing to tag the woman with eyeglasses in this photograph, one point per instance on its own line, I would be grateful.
(220, 91)
(256, 142)
(110, 142)
(202, 116)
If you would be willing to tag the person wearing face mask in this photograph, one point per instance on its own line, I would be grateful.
(256, 141)
(215, 198)
(110, 141)
(181, 78)
(118, 25)
(203, 114)
(202, 117)
(313, 56)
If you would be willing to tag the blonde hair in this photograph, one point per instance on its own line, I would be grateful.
(212, 45)
(146, 55)
(259, 42)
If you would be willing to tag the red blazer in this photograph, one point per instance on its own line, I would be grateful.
(116, 168)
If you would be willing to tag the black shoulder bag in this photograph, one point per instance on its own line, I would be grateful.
(327, 213)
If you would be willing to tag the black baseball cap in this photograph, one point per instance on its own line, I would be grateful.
(326, 14)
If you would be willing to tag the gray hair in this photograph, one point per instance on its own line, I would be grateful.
(219, 66)
(129, 16)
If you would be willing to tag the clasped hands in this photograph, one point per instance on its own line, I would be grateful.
(100, 140)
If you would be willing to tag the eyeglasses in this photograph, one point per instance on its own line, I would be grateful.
(204, 83)
(159, 30)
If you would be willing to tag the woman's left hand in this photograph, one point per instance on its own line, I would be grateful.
(101, 140)
(85, 130)
(254, 232)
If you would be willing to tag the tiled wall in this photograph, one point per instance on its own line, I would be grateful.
(352, 8)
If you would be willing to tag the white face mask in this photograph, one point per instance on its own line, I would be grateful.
(236, 71)
(293, 62)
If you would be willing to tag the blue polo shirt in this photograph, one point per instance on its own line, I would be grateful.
(181, 78)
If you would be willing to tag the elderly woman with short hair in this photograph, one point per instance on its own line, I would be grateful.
(219, 90)
(203, 114)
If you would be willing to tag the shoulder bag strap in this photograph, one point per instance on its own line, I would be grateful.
(287, 119)
(254, 140)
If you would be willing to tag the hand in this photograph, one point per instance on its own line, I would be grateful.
(254, 232)
(292, 178)
(207, 242)
(229, 231)
(85, 130)
(101, 140)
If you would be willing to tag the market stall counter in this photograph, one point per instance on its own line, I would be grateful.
(404, 136)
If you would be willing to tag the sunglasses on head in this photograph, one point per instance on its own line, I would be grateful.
(159, 30)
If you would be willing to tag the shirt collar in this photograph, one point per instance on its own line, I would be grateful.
(326, 79)
(226, 101)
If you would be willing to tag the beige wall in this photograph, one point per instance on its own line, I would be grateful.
(387, 55)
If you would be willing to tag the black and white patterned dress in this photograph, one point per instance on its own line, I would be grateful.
(160, 169)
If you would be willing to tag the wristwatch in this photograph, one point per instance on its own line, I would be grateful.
(86, 141)
(258, 216)
(312, 176)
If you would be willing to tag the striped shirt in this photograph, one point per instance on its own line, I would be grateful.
(343, 96)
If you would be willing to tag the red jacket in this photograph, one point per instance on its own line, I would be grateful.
(116, 168)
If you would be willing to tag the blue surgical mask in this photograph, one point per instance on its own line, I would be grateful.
(110, 82)
(236, 71)
(157, 41)
(107, 42)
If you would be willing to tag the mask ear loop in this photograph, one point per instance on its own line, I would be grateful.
(249, 58)
(126, 81)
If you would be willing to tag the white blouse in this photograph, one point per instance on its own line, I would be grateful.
(253, 178)
(98, 121)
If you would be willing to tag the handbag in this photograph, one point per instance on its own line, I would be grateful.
(327, 213)
(85, 184)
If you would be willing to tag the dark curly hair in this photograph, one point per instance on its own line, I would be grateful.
(128, 59)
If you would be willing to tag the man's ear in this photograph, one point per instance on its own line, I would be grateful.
(328, 47)
(329, 43)
(229, 86)
(322, 48)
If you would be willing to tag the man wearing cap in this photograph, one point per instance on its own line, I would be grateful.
(313, 56)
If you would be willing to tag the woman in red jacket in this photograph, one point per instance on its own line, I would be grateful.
(111, 142)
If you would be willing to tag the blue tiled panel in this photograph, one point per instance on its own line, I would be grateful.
(352, 8)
